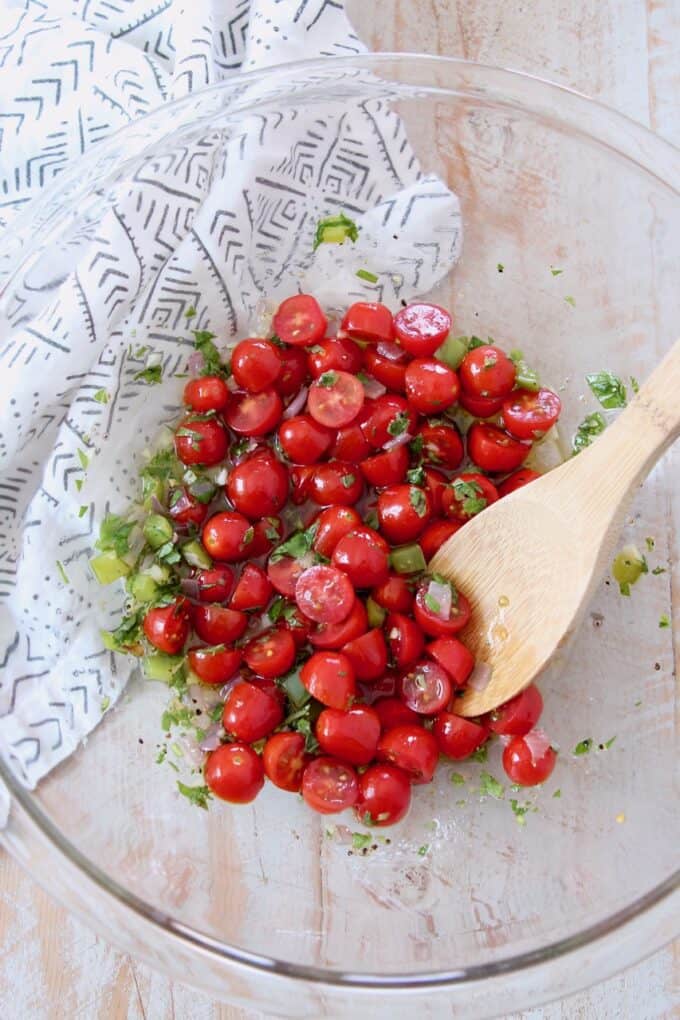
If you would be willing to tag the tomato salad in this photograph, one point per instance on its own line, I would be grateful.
(286, 534)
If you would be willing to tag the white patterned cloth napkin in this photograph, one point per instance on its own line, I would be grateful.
(212, 225)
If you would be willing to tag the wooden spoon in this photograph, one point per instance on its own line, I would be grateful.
(529, 563)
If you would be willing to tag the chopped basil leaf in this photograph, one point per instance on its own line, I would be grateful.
(664, 621)
(190, 313)
(422, 850)
(102, 397)
(481, 754)
(556, 272)
(177, 715)
(198, 795)
(468, 495)
(62, 572)
(248, 536)
(607, 744)
(591, 426)
(114, 534)
(557, 794)
(457, 779)
(634, 384)
(127, 635)
(474, 342)
(79, 484)
(659, 570)
(416, 475)
(105, 703)
(500, 267)
(151, 375)
(416, 445)
(162, 465)
(168, 553)
(399, 424)
(650, 543)
(519, 810)
(372, 520)
(83, 458)
(570, 300)
(489, 786)
(82, 511)
(239, 448)
(608, 389)
(212, 362)
(303, 720)
(296, 546)
(360, 840)
(526, 378)
(327, 379)
(418, 500)
(216, 712)
(335, 230)
(275, 611)
(583, 746)
(348, 481)
(364, 274)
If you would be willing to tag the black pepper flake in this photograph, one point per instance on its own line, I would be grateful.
(139, 740)
(657, 665)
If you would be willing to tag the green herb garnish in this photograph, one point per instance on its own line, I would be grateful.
(557, 794)
(500, 267)
(348, 481)
(83, 458)
(608, 389)
(335, 230)
(361, 840)
(82, 510)
(296, 546)
(664, 620)
(489, 786)
(468, 495)
(432, 603)
(570, 300)
(399, 424)
(416, 475)
(591, 426)
(101, 396)
(457, 778)
(556, 272)
(151, 375)
(634, 384)
(481, 754)
(583, 746)
(422, 850)
(212, 362)
(327, 379)
(525, 377)
(198, 795)
(659, 570)
(114, 534)
(62, 572)
(364, 274)
(418, 500)
(519, 810)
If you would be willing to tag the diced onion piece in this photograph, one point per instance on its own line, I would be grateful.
(401, 440)
(212, 739)
(296, 404)
(538, 743)
(373, 388)
(196, 363)
(232, 384)
(393, 352)
(441, 594)
(190, 587)
(480, 677)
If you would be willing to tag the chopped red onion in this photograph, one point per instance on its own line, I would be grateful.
(204, 696)
(192, 752)
(232, 384)
(441, 594)
(372, 388)
(157, 506)
(296, 404)
(230, 684)
(190, 587)
(252, 445)
(389, 350)
(212, 738)
(480, 677)
(538, 743)
(196, 363)
(401, 440)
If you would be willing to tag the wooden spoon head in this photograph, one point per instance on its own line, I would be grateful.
(523, 572)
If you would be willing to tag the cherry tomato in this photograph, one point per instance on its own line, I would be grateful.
(254, 414)
(431, 386)
(442, 446)
(284, 760)
(332, 524)
(271, 653)
(335, 483)
(217, 625)
(167, 627)
(458, 737)
(208, 393)
(303, 440)
(185, 508)
(487, 371)
(384, 687)
(234, 772)
(421, 328)
(214, 585)
(403, 512)
(250, 713)
(384, 795)
(301, 481)
(454, 657)
(390, 417)
(363, 555)
(341, 353)
(426, 688)
(519, 715)
(268, 533)
(351, 736)
(270, 687)
(435, 535)
(253, 589)
(391, 373)
(493, 450)
(324, 594)
(350, 443)
(394, 594)
(329, 677)
(293, 371)
(432, 622)
(405, 640)
(530, 759)
(228, 536)
(388, 468)
(214, 665)
(298, 625)
(259, 486)
(434, 484)
(329, 786)
(528, 415)
(335, 399)
(255, 364)
(200, 441)
(393, 712)
(466, 495)
(368, 655)
(299, 321)
(480, 407)
(283, 574)
(413, 749)
(335, 635)
(367, 320)
(517, 480)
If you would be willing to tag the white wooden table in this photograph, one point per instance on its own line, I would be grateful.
(625, 53)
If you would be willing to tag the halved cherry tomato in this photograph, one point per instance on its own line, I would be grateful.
(393, 712)
(394, 594)
(528, 415)
(255, 364)
(458, 737)
(493, 450)
(368, 655)
(283, 574)
(413, 749)
(253, 589)
(332, 524)
(351, 736)
(329, 786)
(426, 688)
(303, 440)
(388, 468)
(530, 759)
(434, 484)
(442, 446)
(350, 443)
(384, 795)
(341, 353)
(254, 414)
(271, 653)
(324, 594)
(215, 585)
(466, 495)
(200, 441)
(391, 416)
(250, 713)
(298, 625)
(234, 772)
(329, 677)
(454, 657)
(293, 371)
(480, 407)
(217, 625)
(167, 627)
(185, 508)
(405, 640)
(335, 635)
(285, 760)
(207, 393)
(431, 386)
(432, 622)
(367, 320)
(363, 555)
(390, 372)
(517, 480)
(214, 665)
(228, 536)
(435, 535)
(487, 371)
(421, 328)
(268, 533)
(403, 512)
(299, 321)
(258, 487)
(335, 399)
(335, 483)
(301, 480)
(377, 690)
(519, 715)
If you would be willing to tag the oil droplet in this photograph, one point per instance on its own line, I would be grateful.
(503, 601)
(620, 818)
(500, 633)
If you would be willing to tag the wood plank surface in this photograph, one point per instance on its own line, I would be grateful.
(625, 53)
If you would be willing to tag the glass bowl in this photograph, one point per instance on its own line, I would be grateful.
(572, 245)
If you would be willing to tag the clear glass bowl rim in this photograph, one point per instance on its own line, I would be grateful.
(502, 86)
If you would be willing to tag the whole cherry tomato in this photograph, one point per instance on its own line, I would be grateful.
(255, 364)
(487, 371)
(413, 749)
(384, 795)
(350, 735)
(234, 772)
(207, 393)
(167, 627)
(200, 441)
